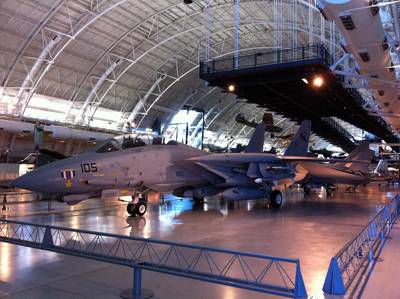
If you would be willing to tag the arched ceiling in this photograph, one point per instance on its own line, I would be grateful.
(142, 56)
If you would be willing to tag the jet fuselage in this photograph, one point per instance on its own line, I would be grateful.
(155, 166)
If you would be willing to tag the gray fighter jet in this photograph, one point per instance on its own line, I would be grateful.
(351, 171)
(131, 165)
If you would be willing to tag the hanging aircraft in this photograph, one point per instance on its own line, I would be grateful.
(134, 164)
(351, 171)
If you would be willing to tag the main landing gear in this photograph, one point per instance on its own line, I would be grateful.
(138, 206)
(330, 189)
(276, 199)
(275, 196)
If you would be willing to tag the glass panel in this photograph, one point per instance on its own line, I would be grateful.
(109, 146)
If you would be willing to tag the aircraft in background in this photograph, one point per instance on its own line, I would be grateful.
(134, 164)
(383, 172)
(353, 170)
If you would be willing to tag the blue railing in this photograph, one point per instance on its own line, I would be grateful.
(251, 271)
(348, 266)
(271, 57)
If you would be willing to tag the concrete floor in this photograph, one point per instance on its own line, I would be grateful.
(312, 228)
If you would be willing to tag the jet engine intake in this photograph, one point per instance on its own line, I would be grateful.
(74, 199)
(198, 192)
(243, 193)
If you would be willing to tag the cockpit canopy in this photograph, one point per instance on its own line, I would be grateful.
(130, 141)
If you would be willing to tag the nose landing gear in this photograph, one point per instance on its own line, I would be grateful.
(138, 205)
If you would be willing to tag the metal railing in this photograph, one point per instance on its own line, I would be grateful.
(251, 271)
(316, 51)
(348, 265)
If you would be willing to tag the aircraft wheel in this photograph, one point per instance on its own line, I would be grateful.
(130, 208)
(329, 191)
(141, 208)
(198, 200)
(306, 190)
(276, 199)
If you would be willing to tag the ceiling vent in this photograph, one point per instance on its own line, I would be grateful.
(385, 44)
(364, 56)
(391, 68)
(347, 21)
(374, 7)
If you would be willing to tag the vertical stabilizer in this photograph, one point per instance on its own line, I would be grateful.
(360, 153)
(382, 167)
(256, 143)
(299, 144)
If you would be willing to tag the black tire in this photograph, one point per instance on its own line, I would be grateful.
(306, 190)
(276, 199)
(329, 191)
(130, 208)
(198, 200)
(141, 208)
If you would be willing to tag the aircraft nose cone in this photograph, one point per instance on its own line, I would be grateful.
(25, 181)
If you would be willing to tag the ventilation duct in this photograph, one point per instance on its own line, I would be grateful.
(364, 56)
(374, 7)
(347, 21)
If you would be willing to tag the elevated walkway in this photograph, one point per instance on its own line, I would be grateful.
(276, 80)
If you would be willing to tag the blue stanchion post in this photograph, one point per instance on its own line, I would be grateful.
(398, 204)
(371, 255)
(299, 287)
(334, 279)
(137, 282)
(382, 237)
(47, 238)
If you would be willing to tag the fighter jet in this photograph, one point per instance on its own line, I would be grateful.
(351, 171)
(134, 164)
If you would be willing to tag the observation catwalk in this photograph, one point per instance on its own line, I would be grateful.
(283, 81)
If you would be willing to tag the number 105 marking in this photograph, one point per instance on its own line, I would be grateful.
(89, 167)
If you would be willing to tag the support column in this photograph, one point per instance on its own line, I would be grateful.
(236, 49)
(137, 292)
(137, 282)
(207, 51)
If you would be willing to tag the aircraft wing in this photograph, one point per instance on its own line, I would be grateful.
(236, 159)
(235, 168)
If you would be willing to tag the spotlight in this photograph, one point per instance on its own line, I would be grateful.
(318, 81)
(304, 80)
(231, 88)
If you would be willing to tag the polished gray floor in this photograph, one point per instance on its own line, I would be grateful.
(312, 228)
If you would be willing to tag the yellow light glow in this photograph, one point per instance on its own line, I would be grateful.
(318, 81)
(231, 88)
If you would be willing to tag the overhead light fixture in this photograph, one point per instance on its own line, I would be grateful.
(304, 80)
(231, 88)
(318, 81)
